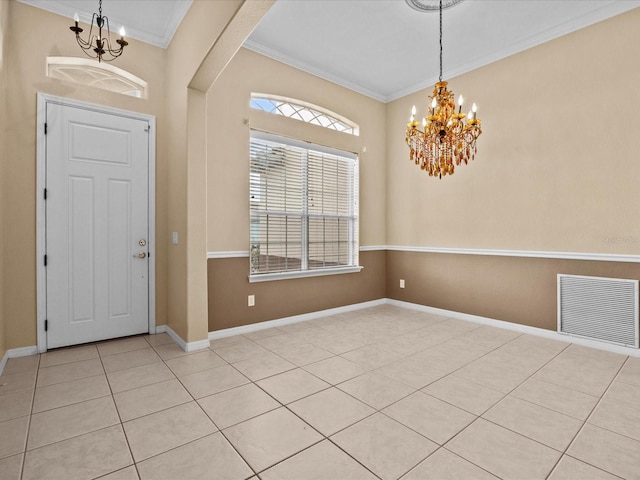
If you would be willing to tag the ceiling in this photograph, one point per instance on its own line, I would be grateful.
(380, 48)
(152, 21)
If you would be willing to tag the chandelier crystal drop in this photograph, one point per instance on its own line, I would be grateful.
(446, 139)
(97, 46)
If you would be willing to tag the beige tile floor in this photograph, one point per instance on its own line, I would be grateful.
(382, 393)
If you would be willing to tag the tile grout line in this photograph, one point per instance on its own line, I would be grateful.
(469, 461)
(205, 413)
(485, 386)
(113, 399)
(282, 405)
(112, 395)
(253, 470)
(303, 340)
(586, 421)
(286, 406)
(330, 440)
(505, 395)
(376, 410)
(33, 399)
(163, 361)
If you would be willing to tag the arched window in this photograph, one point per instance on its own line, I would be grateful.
(303, 111)
(100, 75)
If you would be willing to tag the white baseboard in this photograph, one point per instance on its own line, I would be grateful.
(15, 353)
(5, 357)
(185, 346)
(195, 346)
(540, 332)
(228, 332)
(254, 327)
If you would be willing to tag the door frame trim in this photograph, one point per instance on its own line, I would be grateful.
(41, 146)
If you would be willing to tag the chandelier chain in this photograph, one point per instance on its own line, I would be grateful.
(100, 9)
(440, 40)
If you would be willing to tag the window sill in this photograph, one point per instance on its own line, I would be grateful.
(267, 277)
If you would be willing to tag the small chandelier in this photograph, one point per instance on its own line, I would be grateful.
(98, 46)
(445, 139)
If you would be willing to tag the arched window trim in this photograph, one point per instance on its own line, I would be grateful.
(63, 68)
(301, 109)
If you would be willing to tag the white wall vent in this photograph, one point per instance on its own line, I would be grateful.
(604, 309)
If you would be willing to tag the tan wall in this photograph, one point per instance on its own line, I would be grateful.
(4, 37)
(535, 185)
(168, 73)
(557, 165)
(229, 288)
(25, 78)
(195, 37)
(518, 290)
(556, 170)
(228, 149)
(228, 189)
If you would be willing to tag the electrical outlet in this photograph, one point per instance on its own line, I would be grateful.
(402, 283)
(251, 300)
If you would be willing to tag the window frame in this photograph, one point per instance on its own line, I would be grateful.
(85, 71)
(354, 243)
(302, 111)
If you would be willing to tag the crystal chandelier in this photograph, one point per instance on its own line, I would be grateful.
(98, 46)
(445, 139)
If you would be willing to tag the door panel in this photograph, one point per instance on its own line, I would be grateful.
(119, 198)
(81, 253)
(96, 213)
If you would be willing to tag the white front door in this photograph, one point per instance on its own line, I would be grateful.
(97, 225)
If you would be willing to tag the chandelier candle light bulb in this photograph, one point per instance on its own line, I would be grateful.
(445, 140)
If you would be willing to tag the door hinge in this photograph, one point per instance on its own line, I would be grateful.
(45, 260)
(148, 129)
(46, 325)
(45, 128)
(45, 193)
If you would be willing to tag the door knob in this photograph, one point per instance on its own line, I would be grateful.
(140, 255)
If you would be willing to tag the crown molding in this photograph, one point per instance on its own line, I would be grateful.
(162, 39)
(318, 72)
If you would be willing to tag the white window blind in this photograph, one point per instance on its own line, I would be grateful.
(304, 206)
